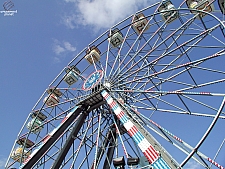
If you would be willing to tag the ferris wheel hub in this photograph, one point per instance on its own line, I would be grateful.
(107, 85)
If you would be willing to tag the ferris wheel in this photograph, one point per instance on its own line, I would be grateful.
(147, 93)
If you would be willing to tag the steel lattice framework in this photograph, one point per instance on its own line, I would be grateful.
(137, 96)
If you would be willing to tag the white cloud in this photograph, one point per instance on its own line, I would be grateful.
(62, 47)
(69, 20)
(69, 47)
(193, 165)
(102, 13)
(58, 49)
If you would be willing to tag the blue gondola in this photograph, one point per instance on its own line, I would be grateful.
(115, 37)
(72, 76)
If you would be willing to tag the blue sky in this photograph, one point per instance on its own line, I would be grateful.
(38, 42)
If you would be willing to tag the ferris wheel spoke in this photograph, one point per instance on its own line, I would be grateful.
(139, 101)
(171, 92)
(208, 69)
(160, 34)
(165, 134)
(206, 134)
(201, 103)
(132, 58)
(174, 76)
(118, 57)
(93, 144)
(166, 102)
(180, 66)
(107, 56)
(177, 142)
(219, 149)
(138, 95)
(93, 148)
(90, 139)
(217, 39)
(154, 48)
(185, 52)
(204, 33)
(181, 111)
(204, 85)
(46, 144)
(81, 143)
(69, 141)
(49, 155)
(162, 80)
(85, 159)
(101, 151)
(120, 137)
(97, 144)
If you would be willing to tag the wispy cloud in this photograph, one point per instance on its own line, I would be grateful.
(69, 47)
(61, 48)
(193, 165)
(101, 13)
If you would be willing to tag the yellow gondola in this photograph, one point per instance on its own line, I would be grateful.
(204, 5)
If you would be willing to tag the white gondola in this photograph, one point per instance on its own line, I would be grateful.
(222, 6)
(115, 38)
(204, 5)
(168, 11)
(35, 125)
(51, 100)
(72, 76)
(93, 55)
(140, 23)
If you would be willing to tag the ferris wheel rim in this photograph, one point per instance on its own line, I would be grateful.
(107, 39)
